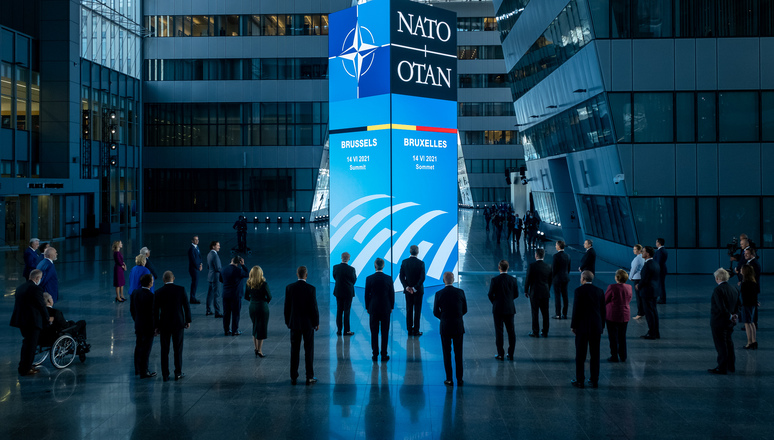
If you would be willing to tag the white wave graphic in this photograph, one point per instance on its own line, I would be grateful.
(403, 241)
(443, 254)
(342, 231)
(370, 249)
(374, 220)
(347, 209)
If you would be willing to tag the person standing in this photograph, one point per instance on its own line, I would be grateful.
(517, 230)
(588, 323)
(215, 280)
(661, 257)
(537, 287)
(233, 274)
(344, 290)
(503, 289)
(498, 223)
(617, 298)
(137, 272)
(50, 282)
(449, 306)
(589, 259)
(145, 251)
(119, 267)
(724, 311)
(412, 277)
(30, 316)
(379, 302)
(171, 316)
(141, 307)
(635, 276)
(648, 288)
(749, 291)
(194, 266)
(560, 278)
(303, 319)
(487, 217)
(257, 292)
(31, 258)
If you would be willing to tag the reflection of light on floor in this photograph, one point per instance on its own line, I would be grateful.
(6, 395)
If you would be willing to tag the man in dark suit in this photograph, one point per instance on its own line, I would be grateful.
(344, 290)
(171, 315)
(724, 312)
(449, 306)
(50, 282)
(303, 319)
(233, 274)
(214, 281)
(588, 323)
(379, 302)
(31, 258)
(30, 317)
(412, 277)
(560, 275)
(648, 288)
(503, 289)
(537, 287)
(148, 265)
(194, 266)
(660, 256)
(141, 307)
(589, 259)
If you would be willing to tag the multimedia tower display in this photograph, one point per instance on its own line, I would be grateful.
(393, 136)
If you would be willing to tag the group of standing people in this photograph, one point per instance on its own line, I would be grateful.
(504, 218)
(41, 256)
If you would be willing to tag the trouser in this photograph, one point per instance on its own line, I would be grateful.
(517, 235)
(446, 346)
(561, 301)
(194, 281)
(651, 315)
(295, 352)
(616, 333)
(508, 233)
(377, 322)
(499, 233)
(539, 305)
(343, 307)
(142, 351)
(231, 308)
(413, 312)
(487, 224)
(724, 345)
(640, 303)
(587, 343)
(29, 346)
(499, 322)
(662, 287)
(214, 295)
(176, 337)
(242, 241)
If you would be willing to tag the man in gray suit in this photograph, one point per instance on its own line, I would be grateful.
(724, 312)
(214, 278)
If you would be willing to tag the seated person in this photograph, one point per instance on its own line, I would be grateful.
(58, 323)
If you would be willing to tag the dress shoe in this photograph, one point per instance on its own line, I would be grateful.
(460, 382)
(510, 357)
(593, 384)
(557, 317)
(311, 380)
(256, 353)
(564, 316)
(533, 335)
(544, 334)
(499, 357)
(338, 333)
(293, 381)
(236, 333)
(374, 358)
(218, 315)
(385, 357)
(448, 383)
(349, 333)
(576, 383)
(612, 359)
(755, 345)
(195, 301)
(648, 337)
(165, 378)
(179, 376)
(261, 355)
(148, 374)
(227, 333)
(731, 369)
(208, 314)
(30, 372)
(418, 333)
(716, 371)
(748, 347)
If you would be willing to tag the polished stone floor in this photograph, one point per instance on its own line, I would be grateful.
(662, 391)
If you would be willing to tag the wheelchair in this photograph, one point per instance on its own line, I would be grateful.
(62, 347)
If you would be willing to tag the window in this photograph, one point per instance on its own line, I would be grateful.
(607, 217)
(686, 222)
(621, 107)
(685, 117)
(767, 116)
(706, 116)
(203, 26)
(739, 116)
(652, 117)
(654, 217)
(739, 215)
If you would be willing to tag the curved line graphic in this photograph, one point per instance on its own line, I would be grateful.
(371, 223)
(443, 254)
(342, 231)
(403, 241)
(370, 249)
(424, 248)
(347, 209)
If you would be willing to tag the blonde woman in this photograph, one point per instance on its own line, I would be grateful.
(138, 271)
(118, 271)
(257, 292)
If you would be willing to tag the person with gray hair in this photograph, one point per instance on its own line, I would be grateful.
(588, 323)
(31, 258)
(724, 312)
(412, 277)
(50, 282)
(449, 306)
(145, 251)
(30, 316)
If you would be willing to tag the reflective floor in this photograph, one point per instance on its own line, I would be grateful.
(662, 391)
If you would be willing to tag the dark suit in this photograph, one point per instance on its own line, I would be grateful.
(661, 257)
(151, 269)
(30, 316)
(194, 261)
(725, 302)
(560, 274)
(344, 290)
(412, 274)
(31, 260)
(50, 282)
(141, 307)
(232, 306)
(589, 260)
(503, 289)
(588, 322)
(171, 315)
(649, 288)
(449, 306)
(379, 302)
(537, 287)
(301, 317)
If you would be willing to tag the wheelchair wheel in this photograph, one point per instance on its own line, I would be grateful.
(63, 351)
(41, 354)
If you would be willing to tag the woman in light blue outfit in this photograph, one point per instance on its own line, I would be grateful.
(138, 271)
(634, 275)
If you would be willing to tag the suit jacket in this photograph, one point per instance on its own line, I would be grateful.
(560, 267)
(589, 260)
(301, 312)
(412, 274)
(232, 275)
(661, 257)
(29, 308)
(345, 277)
(756, 265)
(649, 285)
(379, 295)
(725, 302)
(449, 306)
(588, 310)
(538, 282)
(617, 298)
(503, 289)
(213, 266)
(141, 307)
(31, 261)
(151, 269)
(49, 283)
(60, 323)
(194, 257)
(171, 310)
